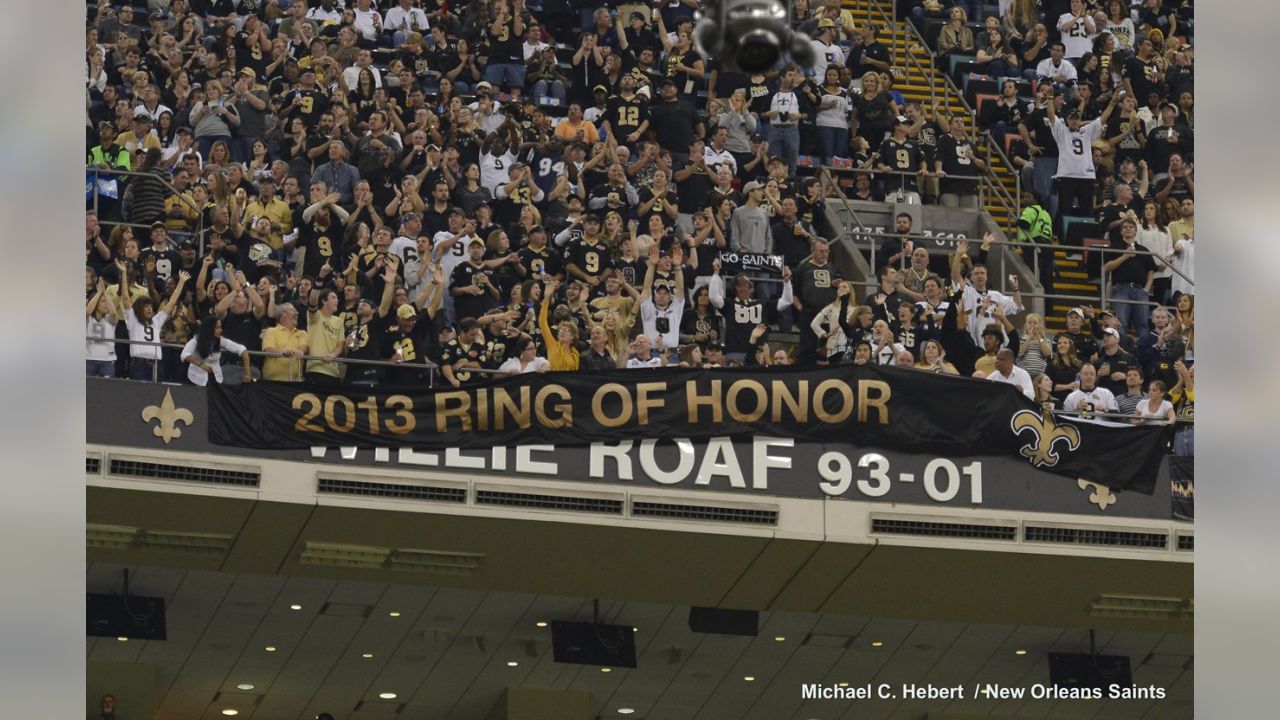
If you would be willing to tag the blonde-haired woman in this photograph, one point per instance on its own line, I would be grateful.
(1036, 350)
(874, 110)
(955, 38)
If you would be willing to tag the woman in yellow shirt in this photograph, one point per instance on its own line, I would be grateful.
(562, 349)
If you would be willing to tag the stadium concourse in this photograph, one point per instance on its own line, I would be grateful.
(429, 193)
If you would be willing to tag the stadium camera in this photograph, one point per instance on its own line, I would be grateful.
(751, 35)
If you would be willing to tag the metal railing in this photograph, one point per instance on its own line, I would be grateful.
(430, 368)
(201, 232)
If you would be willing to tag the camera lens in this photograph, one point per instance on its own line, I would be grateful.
(758, 51)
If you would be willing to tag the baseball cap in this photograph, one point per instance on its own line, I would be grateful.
(753, 185)
(474, 241)
(248, 71)
(600, 88)
(1106, 311)
(406, 311)
(1073, 114)
(901, 120)
(157, 14)
(1111, 331)
(484, 85)
(142, 117)
(637, 16)
(826, 23)
(667, 81)
(591, 217)
(757, 137)
(1077, 311)
(185, 130)
(157, 224)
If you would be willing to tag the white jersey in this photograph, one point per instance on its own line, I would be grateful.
(406, 247)
(1076, 38)
(1101, 398)
(1075, 148)
(140, 332)
(823, 56)
(649, 315)
(195, 373)
(102, 347)
(495, 170)
(976, 320)
(713, 157)
(454, 255)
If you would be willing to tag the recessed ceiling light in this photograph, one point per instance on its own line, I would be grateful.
(512, 663)
(123, 639)
(606, 669)
(749, 678)
(541, 623)
(1019, 652)
(635, 629)
(626, 711)
(877, 643)
(270, 648)
(394, 613)
(387, 696)
(230, 711)
(245, 686)
(779, 638)
(366, 656)
(295, 606)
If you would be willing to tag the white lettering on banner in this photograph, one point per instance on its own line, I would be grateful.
(761, 460)
(617, 453)
(712, 465)
(526, 464)
(649, 463)
(863, 476)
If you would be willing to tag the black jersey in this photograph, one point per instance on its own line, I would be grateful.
(311, 105)
(467, 305)
(323, 244)
(594, 259)
(540, 263)
(455, 352)
(625, 116)
(415, 349)
(740, 318)
(365, 342)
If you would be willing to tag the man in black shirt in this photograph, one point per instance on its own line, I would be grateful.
(1165, 141)
(1142, 74)
(474, 293)
(467, 350)
(1131, 276)
(1036, 130)
(589, 259)
(597, 357)
(167, 260)
(410, 342)
(791, 238)
(1086, 345)
(365, 341)
(627, 117)
(693, 180)
(674, 123)
(957, 156)
(899, 155)
(1114, 363)
(436, 217)
(867, 54)
(816, 283)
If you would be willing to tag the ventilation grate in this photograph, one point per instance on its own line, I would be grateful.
(920, 528)
(549, 502)
(1187, 542)
(712, 513)
(1106, 538)
(92, 465)
(187, 473)
(361, 488)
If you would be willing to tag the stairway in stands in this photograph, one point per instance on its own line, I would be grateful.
(919, 79)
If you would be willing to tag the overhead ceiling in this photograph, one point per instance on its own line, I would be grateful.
(446, 655)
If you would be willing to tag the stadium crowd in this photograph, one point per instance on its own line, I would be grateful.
(527, 185)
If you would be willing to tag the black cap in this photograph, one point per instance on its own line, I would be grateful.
(667, 81)
(592, 217)
(1073, 114)
(756, 137)
(637, 16)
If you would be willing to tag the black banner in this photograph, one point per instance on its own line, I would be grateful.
(1182, 479)
(732, 263)
(888, 407)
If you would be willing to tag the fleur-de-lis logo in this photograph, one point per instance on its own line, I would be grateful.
(169, 416)
(1101, 495)
(1042, 452)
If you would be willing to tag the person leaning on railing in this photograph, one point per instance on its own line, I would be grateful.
(292, 343)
